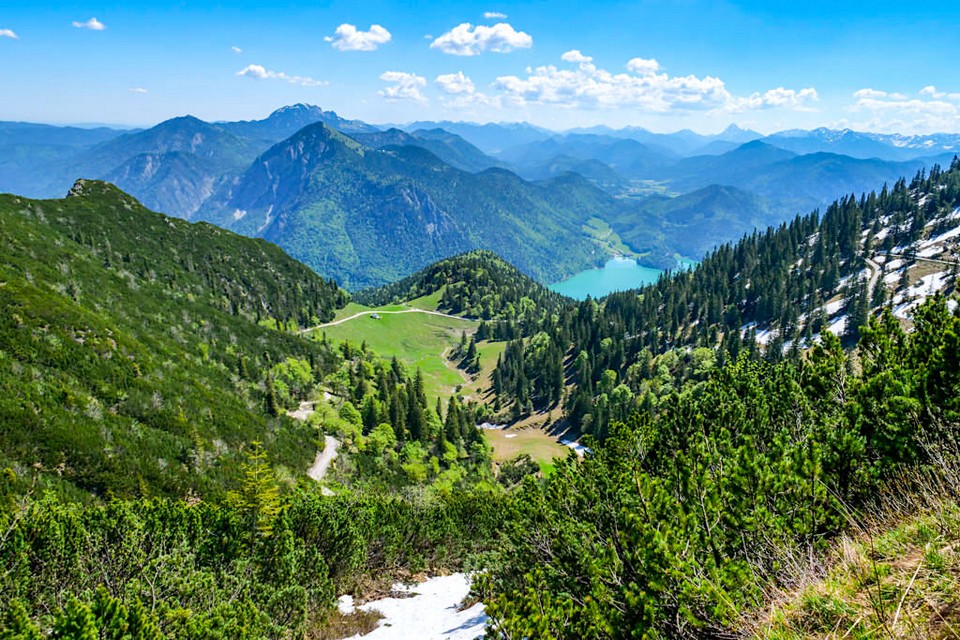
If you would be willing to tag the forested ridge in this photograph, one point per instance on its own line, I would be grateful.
(152, 482)
(777, 280)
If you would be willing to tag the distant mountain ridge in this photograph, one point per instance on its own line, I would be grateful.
(436, 189)
(370, 216)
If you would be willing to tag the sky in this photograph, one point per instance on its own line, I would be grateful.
(663, 65)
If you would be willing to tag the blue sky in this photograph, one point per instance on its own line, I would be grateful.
(663, 65)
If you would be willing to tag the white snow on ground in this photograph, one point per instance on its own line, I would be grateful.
(764, 337)
(916, 294)
(946, 235)
(431, 614)
(952, 304)
(490, 425)
(510, 435)
(890, 278)
(838, 326)
(931, 283)
(929, 252)
(576, 446)
(832, 307)
(883, 233)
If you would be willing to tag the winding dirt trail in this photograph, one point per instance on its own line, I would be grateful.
(330, 444)
(383, 313)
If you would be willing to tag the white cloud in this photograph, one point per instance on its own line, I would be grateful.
(236, 50)
(467, 40)
(645, 86)
(138, 90)
(574, 55)
(259, 72)
(643, 66)
(455, 83)
(777, 98)
(494, 15)
(348, 38)
(8, 33)
(935, 111)
(92, 24)
(406, 86)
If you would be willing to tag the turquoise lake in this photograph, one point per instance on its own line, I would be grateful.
(618, 274)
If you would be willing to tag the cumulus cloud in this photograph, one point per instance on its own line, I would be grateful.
(8, 33)
(236, 50)
(348, 38)
(494, 15)
(405, 86)
(258, 72)
(138, 90)
(467, 40)
(645, 86)
(92, 24)
(777, 98)
(643, 66)
(455, 83)
(933, 111)
(574, 55)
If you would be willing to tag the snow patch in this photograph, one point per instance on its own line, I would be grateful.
(576, 446)
(838, 326)
(432, 613)
(490, 425)
(946, 235)
(833, 307)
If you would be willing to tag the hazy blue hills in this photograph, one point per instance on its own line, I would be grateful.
(369, 205)
(449, 147)
(491, 138)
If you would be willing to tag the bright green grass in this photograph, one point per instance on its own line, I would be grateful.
(416, 339)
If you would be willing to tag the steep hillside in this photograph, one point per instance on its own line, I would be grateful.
(772, 293)
(131, 355)
(450, 148)
(693, 224)
(173, 167)
(478, 284)
(367, 217)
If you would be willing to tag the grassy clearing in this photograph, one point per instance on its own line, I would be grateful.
(528, 436)
(606, 238)
(902, 583)
(416, 339)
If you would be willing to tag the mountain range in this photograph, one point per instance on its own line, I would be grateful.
(368, 205)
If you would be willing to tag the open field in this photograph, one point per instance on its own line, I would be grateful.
(416, 339)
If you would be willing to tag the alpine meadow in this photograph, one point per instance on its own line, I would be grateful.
(554, 322)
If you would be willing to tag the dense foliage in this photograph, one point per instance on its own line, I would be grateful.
(478, 284)
(778, 279)
(131, 359)
(151, 569)
(678, 523)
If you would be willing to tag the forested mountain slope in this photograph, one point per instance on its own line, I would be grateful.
(131, 357)
(774, 291)
(367, 217)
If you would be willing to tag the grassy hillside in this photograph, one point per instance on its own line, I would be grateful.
(131, 358)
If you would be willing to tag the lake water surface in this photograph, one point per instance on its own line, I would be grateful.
(618, 274)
